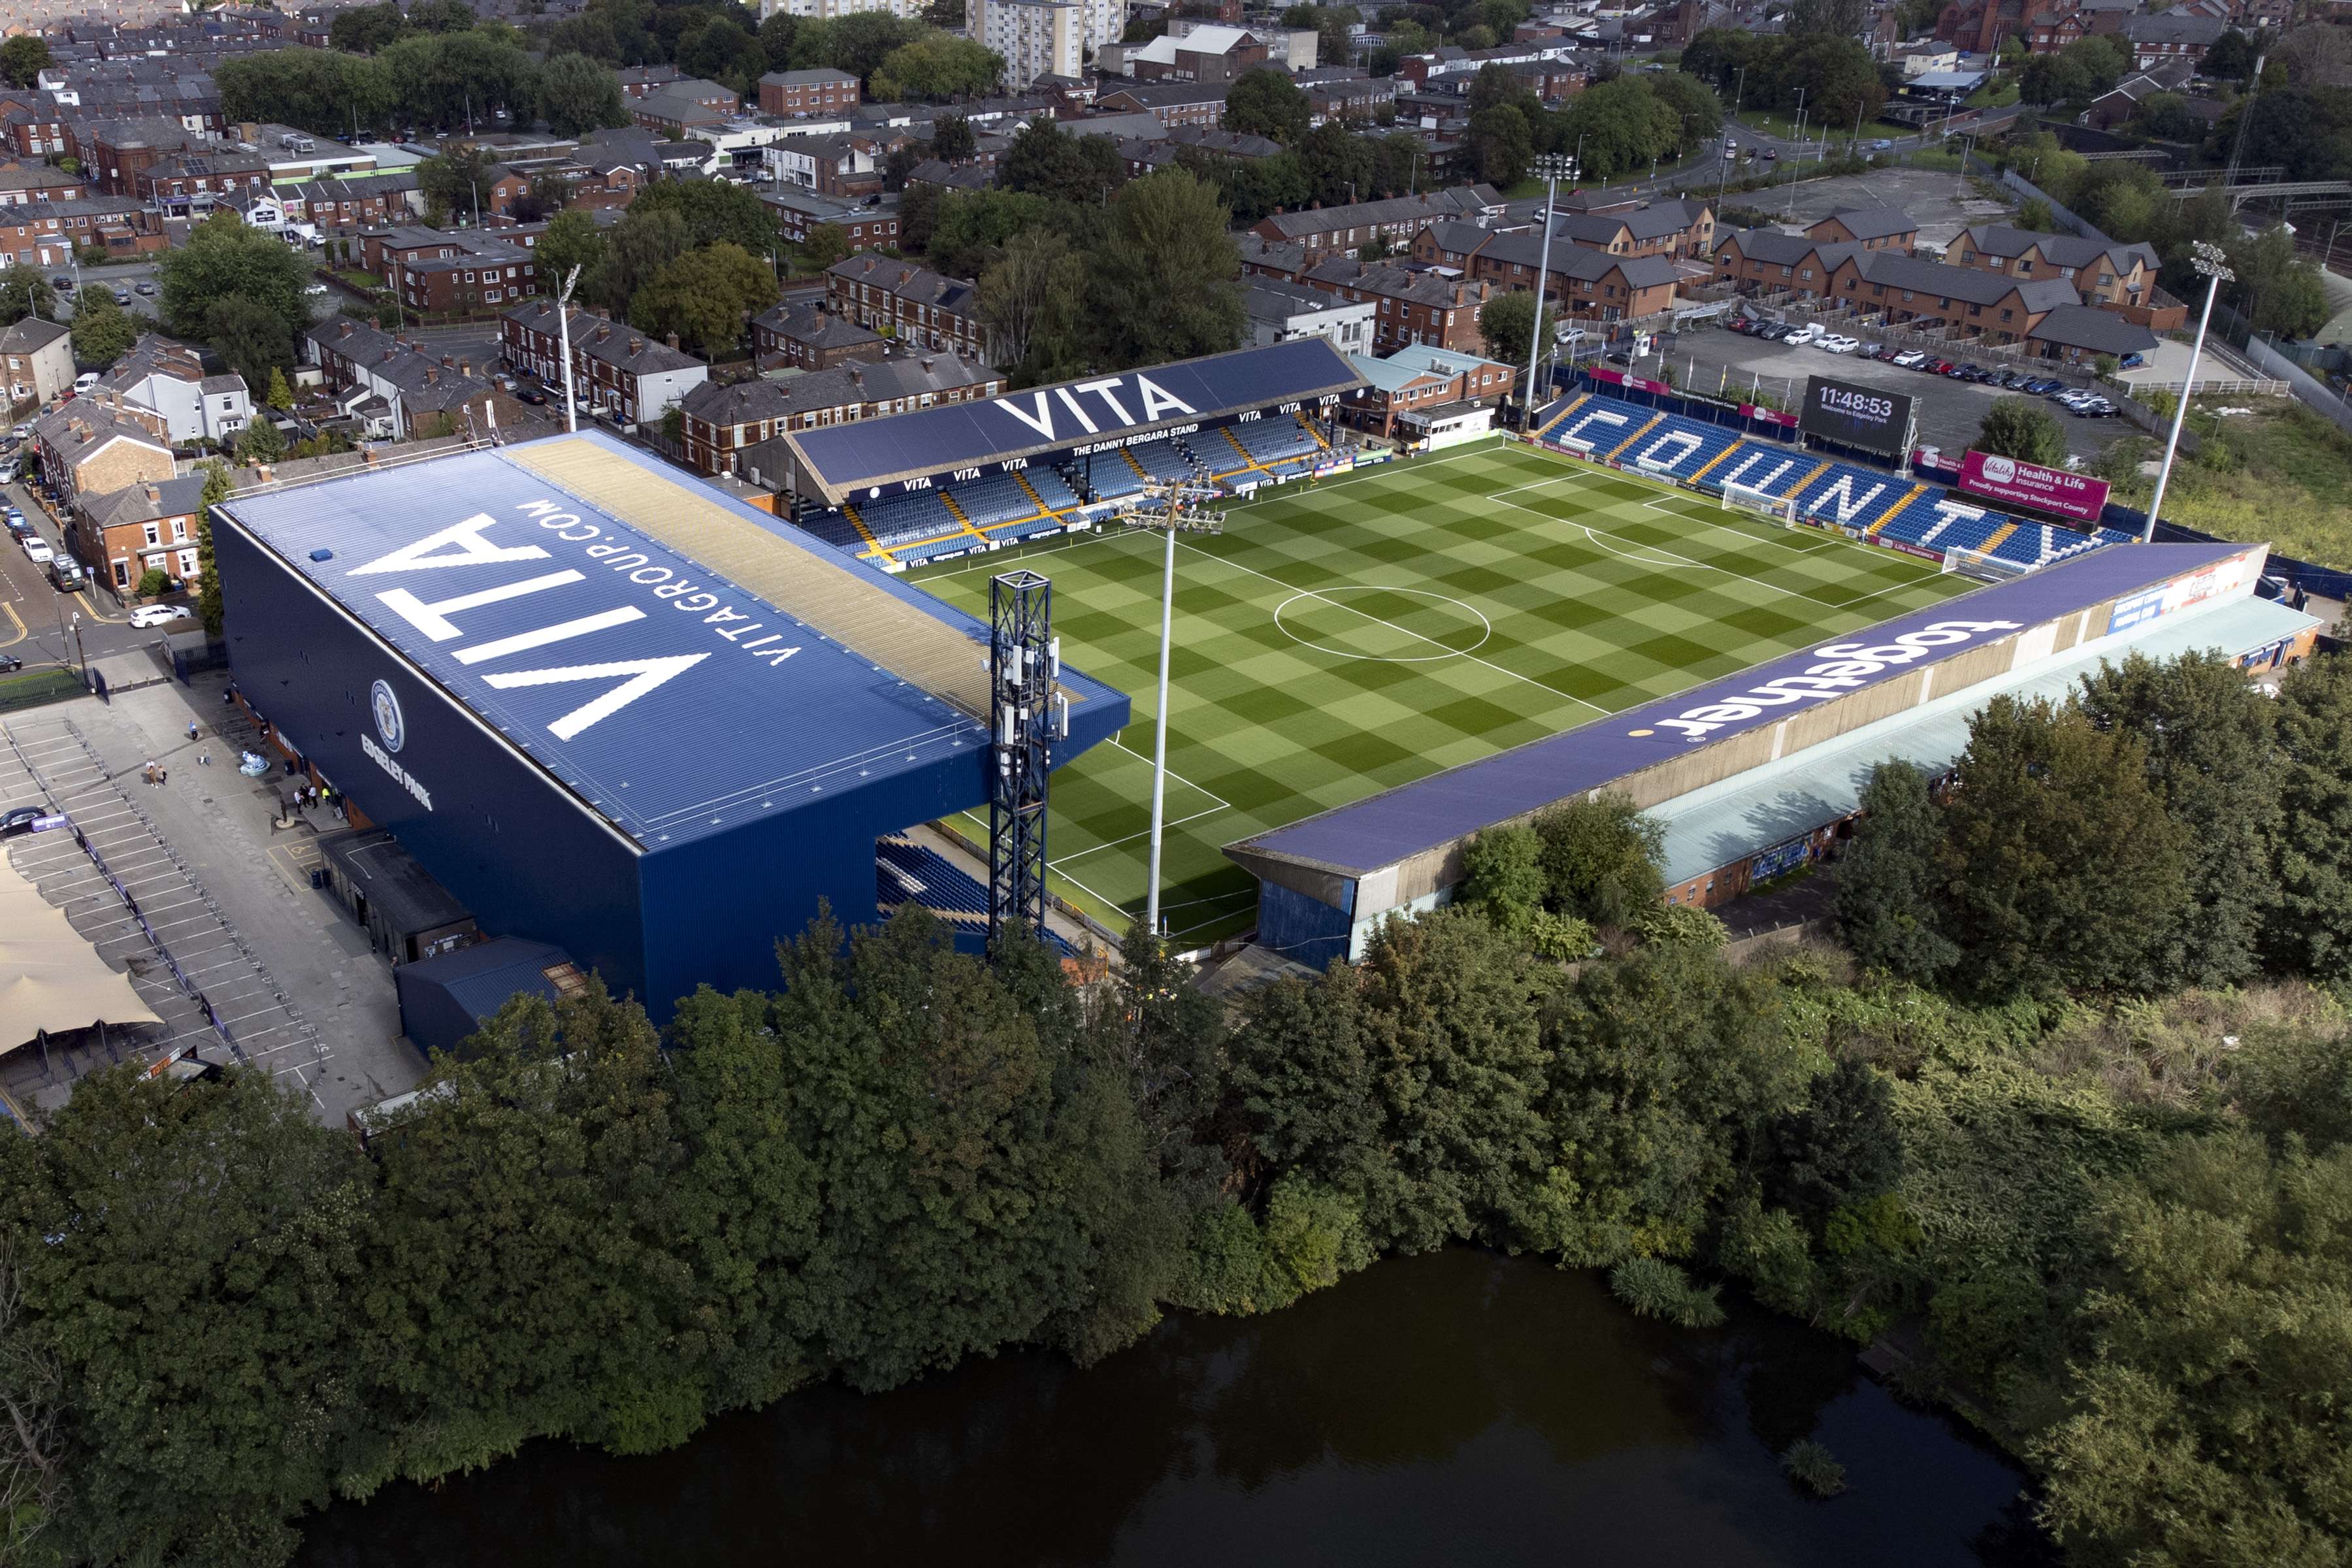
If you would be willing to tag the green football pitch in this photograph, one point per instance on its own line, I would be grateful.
(1338, 640)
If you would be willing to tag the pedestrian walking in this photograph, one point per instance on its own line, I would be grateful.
(192, 729)
(203, 758)
(150, 773)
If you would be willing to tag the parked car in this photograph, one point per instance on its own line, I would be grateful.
(1877, 350)
(1802, 335)
(122, 296)
(1839, 344)
(2041, 386)
(65, 574)
(1962, 371)
(2131, 362)
(1882, 145)
(529, 395)
(37, 549)
(1909, 359)
(1621, 356)
(63, 283)
(148, 617)
(1937, 367)
(84, 382)
(143, 287)
(19, 819)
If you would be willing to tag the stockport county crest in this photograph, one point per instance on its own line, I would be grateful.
(388, 723)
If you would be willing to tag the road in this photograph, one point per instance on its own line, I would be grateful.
(37, 622)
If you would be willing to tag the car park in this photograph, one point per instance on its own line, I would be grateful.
(1909, 359)
(148, 617)
(37, 549)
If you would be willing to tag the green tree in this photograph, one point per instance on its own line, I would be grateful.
(25, 292)
(2061, 867)
(2230, 58)
(1839, 19)
(1661, 1065)
(1837, 1149)
(952, 139)
(261, 442)
(713, 211)
(1601, 860)
(707, 297)
(364, 29)
(23, 58)
(1887, 905)
(455, 80)
(939, 69)
(577, 94)
(2210, 740)
(826, 244)
(318, 90)
(226, 1213)
(1172, 1041)
(573, 239)
(1507, 322)
(1047, 161)
(1266, 103)
(1338, 164)
(1503, 144)
(102, 330)
(281, 397)
(1167, 278)
(452, 182)
(218, 486)
(1033, 304)
(724, 51)
(636, 248)
(553, 1309)
(1302, 1081)
(250, 337)
(2021, 428)
(2313, 929)
(2207, 1423)
(222, 258)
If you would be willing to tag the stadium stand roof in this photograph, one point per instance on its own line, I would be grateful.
(677, 659)
(850, 462)
(1428, 813)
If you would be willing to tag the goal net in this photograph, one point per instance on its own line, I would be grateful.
(1985, 568)
(1739, 498)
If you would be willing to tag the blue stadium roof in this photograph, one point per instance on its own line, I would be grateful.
(844, 460)
(1432, 812)
(670, 698)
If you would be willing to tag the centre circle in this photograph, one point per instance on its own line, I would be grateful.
(1393, 625)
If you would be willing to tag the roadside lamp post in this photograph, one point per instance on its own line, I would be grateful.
(2210, 261)
(1550, 168)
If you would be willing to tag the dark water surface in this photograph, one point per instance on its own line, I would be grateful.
(1459, 1407)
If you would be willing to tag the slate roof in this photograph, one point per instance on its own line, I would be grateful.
(858, 382)
(2089, 327)
(1876, 223)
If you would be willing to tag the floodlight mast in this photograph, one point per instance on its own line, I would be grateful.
(564, 326)
(1174, 507)
(1551, 169)
(2214, 263)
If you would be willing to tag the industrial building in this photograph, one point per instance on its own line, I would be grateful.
(1756, 772)
(606, 708)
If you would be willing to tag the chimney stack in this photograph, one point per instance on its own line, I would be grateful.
(672, 340)
(465, 367)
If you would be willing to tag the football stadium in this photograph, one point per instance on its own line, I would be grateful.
(609, 708)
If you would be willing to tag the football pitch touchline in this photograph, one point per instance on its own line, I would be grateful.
(1223, 805)
(1417, 637)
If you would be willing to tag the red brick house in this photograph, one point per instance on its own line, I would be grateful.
(824, 91)
(1413, 307)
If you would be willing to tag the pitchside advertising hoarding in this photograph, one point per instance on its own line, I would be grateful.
(1856, 416)
(2053, 491)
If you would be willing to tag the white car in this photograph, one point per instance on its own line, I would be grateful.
(148, 615)
(85, 381)
(1839, 344)
(1802, 335)
(1910, 359)
(37, 551)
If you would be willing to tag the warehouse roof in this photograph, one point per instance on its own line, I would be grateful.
(1431, 813)
(1099, 412)
(681, 662)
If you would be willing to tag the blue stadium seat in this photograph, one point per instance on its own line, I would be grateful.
(1270, 441)
(1766, 465)
(1604, 422)
(1052, 488)
(1112, 478)
(1676, 448)
(996, 499)
(1850, 496)
(833, 527)
(1162, 459)
(902, 519)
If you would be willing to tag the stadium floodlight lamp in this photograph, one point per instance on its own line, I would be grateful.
(1551, 168)
(2214, 263)
(1172, 507)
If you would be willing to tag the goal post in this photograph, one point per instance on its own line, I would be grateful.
(1741, 498)
(1984, 568)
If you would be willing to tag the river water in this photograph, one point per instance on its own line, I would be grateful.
(1457, 1408)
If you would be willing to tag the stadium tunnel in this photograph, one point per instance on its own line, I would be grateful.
(1753, 774)
(609, 708)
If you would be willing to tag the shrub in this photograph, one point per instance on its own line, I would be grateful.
(1224, 1264)
(1653, 1288)
(1813, 1468)
(1768, 1248)
(154, 581)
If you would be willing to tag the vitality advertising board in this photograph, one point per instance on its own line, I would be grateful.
(1855, 416)
(2053, 491)
(2232, 578)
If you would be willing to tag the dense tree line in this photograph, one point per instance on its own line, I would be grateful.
(1835, 74)
(2113, 1216)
